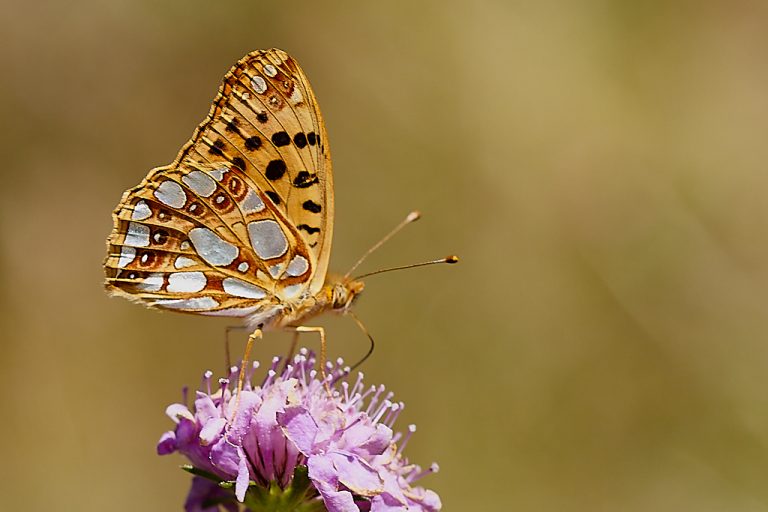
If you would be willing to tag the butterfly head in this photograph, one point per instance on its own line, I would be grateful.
(344, 292)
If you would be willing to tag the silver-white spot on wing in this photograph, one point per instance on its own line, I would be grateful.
(141, 211)
(184, 262)
(137, 235)
(243, 289)
(298, 266)
(186, 282)
(270, 71)
(151, 283)
(200, 183)
(171, 194)
(296, 96)
(188, 304)
(214, 250)
(276, 270)
(267, 239)
(243, 266)
(259, 84)
(127, 255)
(291, 292)
(252, 202)
(218, 174)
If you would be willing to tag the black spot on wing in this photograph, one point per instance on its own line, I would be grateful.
(272, 195)
(300, 140)
(231, 126)
(309, 229)
(252, 143)
(216, 148)
(281, 139)
(304, 179)
(275, 170)
(239, 162)
(312, 206)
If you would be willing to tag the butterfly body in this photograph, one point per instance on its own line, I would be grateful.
(240, 223)
(337, 297)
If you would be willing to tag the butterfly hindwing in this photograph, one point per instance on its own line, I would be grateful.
(204, 238)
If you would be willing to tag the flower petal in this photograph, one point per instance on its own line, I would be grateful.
(212, 430)
(203, 490)
(205, 409)
(366, 438)
(225, 457)
(167, 443)
(243, 478)
(322, 471)
(299, 426)
(393, 487)
(356, 474)
(178, 411)
(430, 502)
(337, 501)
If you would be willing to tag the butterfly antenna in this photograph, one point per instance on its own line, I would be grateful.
(412, 217)
(448, 259)
(370, 338)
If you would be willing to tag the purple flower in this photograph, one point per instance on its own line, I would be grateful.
(291, 427)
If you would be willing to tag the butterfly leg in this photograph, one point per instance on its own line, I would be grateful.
(321, 331)
(246, 356)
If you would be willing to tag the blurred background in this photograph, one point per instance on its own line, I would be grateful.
(600, 167)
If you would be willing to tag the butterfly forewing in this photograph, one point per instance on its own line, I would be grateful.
(266, 120)
(241, 221)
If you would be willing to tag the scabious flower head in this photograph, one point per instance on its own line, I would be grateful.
(290, 444)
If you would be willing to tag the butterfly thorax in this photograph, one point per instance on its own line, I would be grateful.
(337, 294)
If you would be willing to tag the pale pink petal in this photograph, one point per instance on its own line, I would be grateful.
(178, 411)
(337, 501)
(243, 478)
(167, 443)
(212, 430)
(356, 474)
(299, 427)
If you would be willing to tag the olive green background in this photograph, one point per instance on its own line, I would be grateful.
(599, 166)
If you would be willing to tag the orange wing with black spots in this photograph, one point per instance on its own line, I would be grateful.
(241, 222)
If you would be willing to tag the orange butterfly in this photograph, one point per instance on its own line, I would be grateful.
(240, 224)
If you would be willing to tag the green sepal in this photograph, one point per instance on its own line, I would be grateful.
(299, 496)
(296, 497)
(189, 468)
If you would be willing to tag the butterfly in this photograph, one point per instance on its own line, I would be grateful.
(240, 223)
